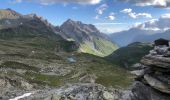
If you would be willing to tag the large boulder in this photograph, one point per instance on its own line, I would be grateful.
(154, 81)
(157, 84)
(141, 91)
(108, 96)
(157, 61)
(161, 42)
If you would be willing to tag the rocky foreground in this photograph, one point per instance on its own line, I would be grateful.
(154, 78)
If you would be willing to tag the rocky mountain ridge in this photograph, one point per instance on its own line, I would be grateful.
(86, 36)
(90, 39)
(80, 31)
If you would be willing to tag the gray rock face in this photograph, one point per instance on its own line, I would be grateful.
(88, 36)
(77, 91)
(141, 91)
(157, 61)
(10, 87)
(154, 82)
(108, 96)
(81, 32)
(157, 84)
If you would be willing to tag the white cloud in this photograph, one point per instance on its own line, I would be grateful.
(109, 30)
(165, 16)
(147, 15)
(111, 16)
(96, 17)
(110, 27)
(163, 23)
(134, 14)
(101, 24)
(47, 2)
(101, 9)
(127, 10)
(136, 24)
(155, 3)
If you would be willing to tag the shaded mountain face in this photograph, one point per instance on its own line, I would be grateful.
(132, 35)
(164, 35)
(90, 39)
(129, 55)
(16, 26)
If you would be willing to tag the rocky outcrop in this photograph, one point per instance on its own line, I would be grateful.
(87, 37)
(142, 91)
(78, 91)
(13, 86)
(154, 81)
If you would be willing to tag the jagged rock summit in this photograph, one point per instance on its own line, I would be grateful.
(80, 31)
(9, 14)
(87, 37)
(90, 39)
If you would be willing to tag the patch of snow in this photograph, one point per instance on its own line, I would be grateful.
(21, 97)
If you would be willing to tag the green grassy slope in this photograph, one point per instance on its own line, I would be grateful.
(129, 55)
(35, 37)
(28, 59)
(102, 47)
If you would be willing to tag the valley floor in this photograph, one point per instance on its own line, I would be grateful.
(26, 68)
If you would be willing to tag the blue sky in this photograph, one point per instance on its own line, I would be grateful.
(108, 15)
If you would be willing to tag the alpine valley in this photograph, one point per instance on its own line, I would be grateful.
(75, 61)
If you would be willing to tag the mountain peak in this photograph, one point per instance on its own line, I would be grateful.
(9, 14)
(70, 21)
(9, 9)
(88, 36)
(70, 26)
(79, 23)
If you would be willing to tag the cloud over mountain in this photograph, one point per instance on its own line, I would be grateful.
(144, 32)
(163, 23)
(155, 3)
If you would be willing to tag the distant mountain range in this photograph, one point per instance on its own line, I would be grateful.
(132, 35)
(32, 28)
(36, 55)
(151, 38)
(86, 37)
